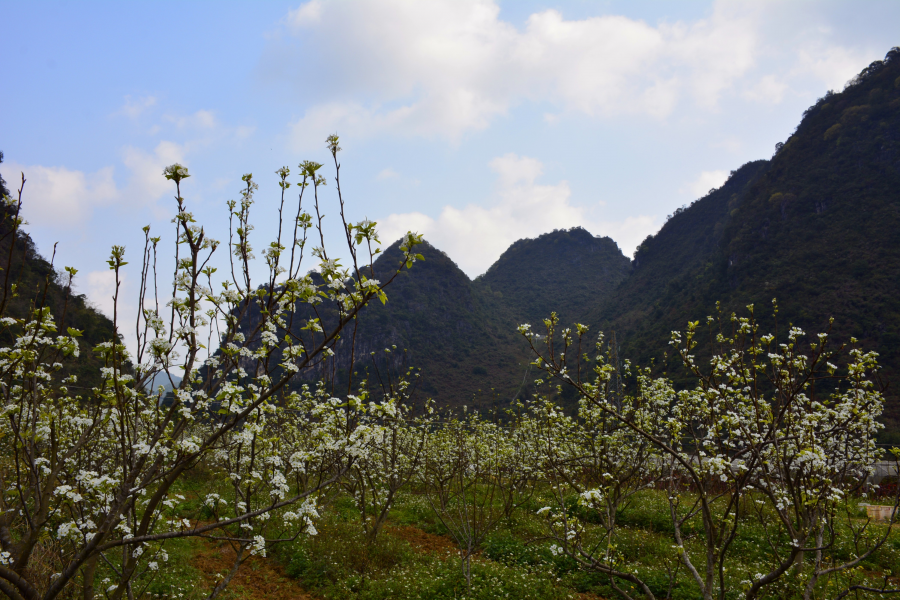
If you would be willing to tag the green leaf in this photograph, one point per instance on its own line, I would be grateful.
(75, 332)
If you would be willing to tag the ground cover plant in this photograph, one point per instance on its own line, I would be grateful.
(416, 557)
(274, 449)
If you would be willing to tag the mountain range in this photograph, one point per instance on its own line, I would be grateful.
(816, 226)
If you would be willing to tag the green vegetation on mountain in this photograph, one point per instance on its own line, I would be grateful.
(817, 227)
(4, 191)
(677, 273)
(461, 334)
(436, 320)
(458, 335)
(30, 282)
(567, 271)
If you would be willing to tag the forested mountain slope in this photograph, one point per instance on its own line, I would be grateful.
(567, 271)
(462, 334)
(462, 338)
(32, 282)
(677, 271)
(818, 228)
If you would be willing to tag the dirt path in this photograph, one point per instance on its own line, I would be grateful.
(257, 579)
(422, 541)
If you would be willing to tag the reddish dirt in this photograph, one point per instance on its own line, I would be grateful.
(422, 541)
(257, 579)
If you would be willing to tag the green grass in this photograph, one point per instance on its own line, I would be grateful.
(515, 561)
(338, 563)
(175, 578)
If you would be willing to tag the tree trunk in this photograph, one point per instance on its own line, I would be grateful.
(87, 588)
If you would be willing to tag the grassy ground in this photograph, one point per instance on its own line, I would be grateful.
(411, 559)
(414, 558)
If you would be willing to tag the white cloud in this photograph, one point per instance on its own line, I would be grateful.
(134, 107)
(449, 114)
(445, 68)
(833, 65)
(396, 179)
(713, 54)
(730, 143)
(203, 128)
(242, 132)
(629, 233)
(147, 183)
(388, 173)
(706, 181)
(475, 235)
(202, 119)
(513, 169)
(769, 90)
(448, 67)
(101, 289)
(59, 197)
(305, 15)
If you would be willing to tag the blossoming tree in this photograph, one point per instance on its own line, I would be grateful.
(772, 430)
(91, 480)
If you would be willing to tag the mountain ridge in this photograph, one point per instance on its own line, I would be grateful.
(816, 227)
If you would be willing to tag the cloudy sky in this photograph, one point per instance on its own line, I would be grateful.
(472, 121)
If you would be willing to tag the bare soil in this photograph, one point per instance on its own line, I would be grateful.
(422, 541)
(257, 579)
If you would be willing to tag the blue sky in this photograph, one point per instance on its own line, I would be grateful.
(472, 121)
